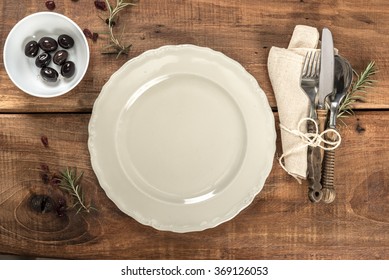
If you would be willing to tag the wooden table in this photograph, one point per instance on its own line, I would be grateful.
(280, 223)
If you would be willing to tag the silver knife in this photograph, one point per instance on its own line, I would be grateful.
(327, 68)
(326, 87)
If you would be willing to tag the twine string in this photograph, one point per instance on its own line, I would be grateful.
(313, 139)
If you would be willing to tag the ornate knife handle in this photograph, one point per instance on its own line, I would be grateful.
(328, 167)
(328, 172)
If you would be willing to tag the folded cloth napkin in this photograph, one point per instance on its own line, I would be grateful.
(284, 67)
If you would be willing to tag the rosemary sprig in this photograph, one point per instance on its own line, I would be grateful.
(358, 90)
(70, 182)
(116, 45)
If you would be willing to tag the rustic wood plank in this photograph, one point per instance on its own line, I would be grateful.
(280, 224)
(244, 30)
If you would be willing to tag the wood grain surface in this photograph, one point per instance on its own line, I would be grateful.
(245, 30)
(280, 223)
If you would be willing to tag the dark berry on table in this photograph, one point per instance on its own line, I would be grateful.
(61, 207)
(87, 33)
(65, 41)
(68, 69)
(55, 180)
(31, 49)
(45, 178)
(101, 5)
(50, 5)
(49, 74)
(112, 24)
(95, 36)
(43, 60)
(45, 167)
(60, 57)
(45, 142)
(48, 44)
(90, 35)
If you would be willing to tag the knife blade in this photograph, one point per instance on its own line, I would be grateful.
(327, 65)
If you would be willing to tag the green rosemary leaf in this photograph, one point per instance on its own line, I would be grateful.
(79, 210)
(109, 46)
(76, 204)
(363, 82)
(78, 179)
(109, 6)
(116, 45)
(70, 182)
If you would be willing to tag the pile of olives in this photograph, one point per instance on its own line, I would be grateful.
(48, 45)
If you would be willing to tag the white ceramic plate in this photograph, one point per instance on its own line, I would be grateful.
(182, 138)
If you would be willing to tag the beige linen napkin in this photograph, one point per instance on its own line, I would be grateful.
(284, 67)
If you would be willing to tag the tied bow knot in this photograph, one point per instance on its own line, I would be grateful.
(313, 139)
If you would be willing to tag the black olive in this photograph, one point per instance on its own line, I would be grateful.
(31, 49)
(48, 44)
(49, 74)
(60, 57)
(68, 69)
(43, 60)
(65, 41)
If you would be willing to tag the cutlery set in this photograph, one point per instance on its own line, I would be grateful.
(325, 79)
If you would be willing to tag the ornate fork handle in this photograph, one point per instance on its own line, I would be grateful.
(315, 193)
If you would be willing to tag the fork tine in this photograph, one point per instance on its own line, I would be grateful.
(314, 65)
(317, 69)
(307, 62)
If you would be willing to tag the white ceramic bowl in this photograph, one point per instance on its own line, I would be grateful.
(22, 70)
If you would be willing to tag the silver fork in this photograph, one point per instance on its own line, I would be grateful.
(310, 79)
(309, 83)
